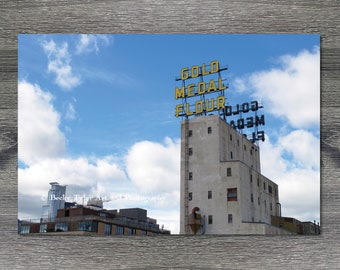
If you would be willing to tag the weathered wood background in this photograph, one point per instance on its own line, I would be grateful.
(172, 252)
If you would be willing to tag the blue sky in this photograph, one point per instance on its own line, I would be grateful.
(97, 112)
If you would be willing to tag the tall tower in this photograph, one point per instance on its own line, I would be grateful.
(221, 176)
(55, 200)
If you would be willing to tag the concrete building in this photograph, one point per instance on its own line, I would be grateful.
(222, 188)
(55, 200)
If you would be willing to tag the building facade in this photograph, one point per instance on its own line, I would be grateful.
(222, 188)
(91, 220)
(55, 200)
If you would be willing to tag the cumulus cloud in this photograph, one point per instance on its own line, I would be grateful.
(90, 43)
(39, 135)
(154, 167)
(147, 176)
(81, 172)
(293, 163)
(59, 61)
(290, 91)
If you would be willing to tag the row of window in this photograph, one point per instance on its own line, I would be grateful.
(230, 219)
(190, 174)
(88, 226)
(209, 130)
(259, 201)
(231, 194)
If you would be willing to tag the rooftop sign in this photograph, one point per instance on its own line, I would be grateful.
(201, 95)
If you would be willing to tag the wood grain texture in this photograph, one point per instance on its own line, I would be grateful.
(173, 252)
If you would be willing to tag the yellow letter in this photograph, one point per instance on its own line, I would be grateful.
(199, 106)
(214, 66)
(188, 112)
(220, 84)
(194, 71)
(212, 86)
(184, 74)
(179, 92)
(200, 88)
(204, 72)
(220, 102)
(191, 90)
(179, 109)
(212, 107)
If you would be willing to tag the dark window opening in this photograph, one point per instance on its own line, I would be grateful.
(209, 194)
(232, 194)
(270, 189)
(190, 175)
(210, 219)
(228, 171)
(190, 151)
(190, 196)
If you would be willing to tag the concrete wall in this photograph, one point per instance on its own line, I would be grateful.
(216, 148)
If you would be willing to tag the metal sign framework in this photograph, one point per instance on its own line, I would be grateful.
(210, 98)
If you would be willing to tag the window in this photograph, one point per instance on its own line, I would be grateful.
(60, 227)
(251, 197)
(43, 228)
(209, 194)
(190, 175)
(238, 142)
(230, 218)
(231, 137)
(210, 219)
(87, 226)
(209, 130)
(251, 152)
(271, 207)
(258, 200)
(228, 171)
(232, 194)
(190, 196)
(119, 230)
(251, 178)
(245, 147)
(258, 182)
(231, 155)
(270, 189)
(190, 133)
(190, 151)
(264, 185)
(107, 229)
(25, 229)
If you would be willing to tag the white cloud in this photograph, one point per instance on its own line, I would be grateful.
(59, 63)
(93, 177)
(297, 175)
(290, 91)
(39, 135)
(153, 167)
(90, 43)
(70, 111)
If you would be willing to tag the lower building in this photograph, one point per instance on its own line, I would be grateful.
(94, 220)
(295, 226)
